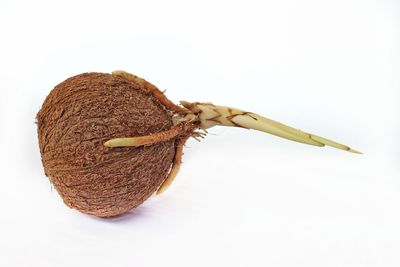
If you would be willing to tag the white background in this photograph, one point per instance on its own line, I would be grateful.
(242, 198)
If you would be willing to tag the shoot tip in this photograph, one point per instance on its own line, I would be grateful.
(355, 151)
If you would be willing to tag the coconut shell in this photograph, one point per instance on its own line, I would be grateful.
(82, 113)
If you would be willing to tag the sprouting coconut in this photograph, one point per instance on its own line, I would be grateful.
(109, 141)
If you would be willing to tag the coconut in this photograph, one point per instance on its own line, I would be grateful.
(81, 114)
(109, 141)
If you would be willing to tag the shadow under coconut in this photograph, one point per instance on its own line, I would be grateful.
(140, 213)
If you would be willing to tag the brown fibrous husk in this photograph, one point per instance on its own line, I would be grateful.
(77, 117)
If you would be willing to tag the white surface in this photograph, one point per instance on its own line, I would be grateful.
(243, 198)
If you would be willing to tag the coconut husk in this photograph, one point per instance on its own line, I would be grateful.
(77, 117)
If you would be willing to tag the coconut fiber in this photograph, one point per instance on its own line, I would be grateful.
(82, 113)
